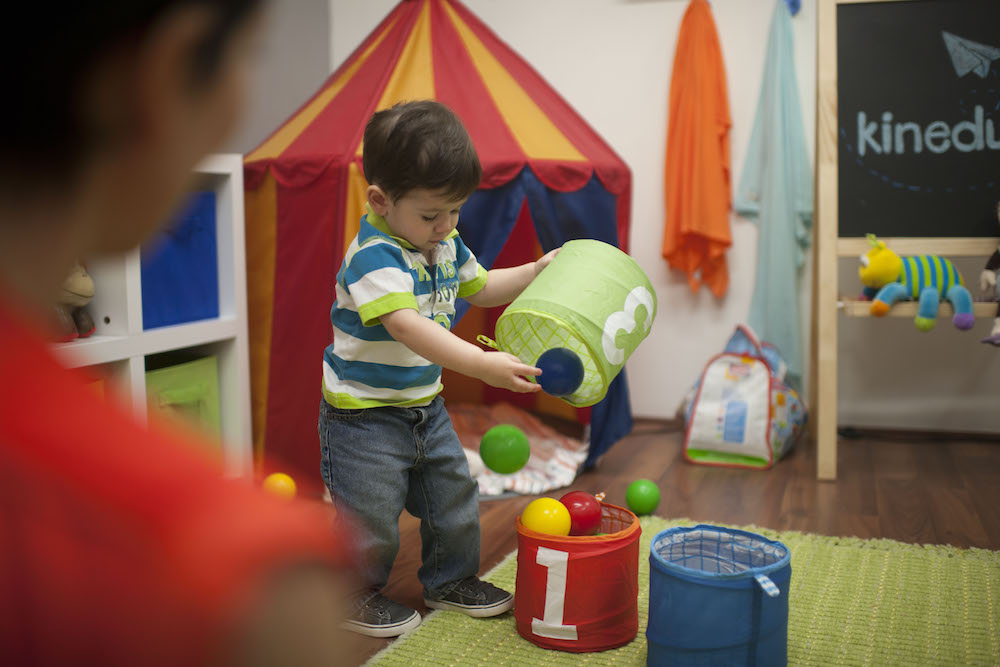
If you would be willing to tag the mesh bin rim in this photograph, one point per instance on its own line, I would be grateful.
(632, 532)
(664, 565)
(605, 383)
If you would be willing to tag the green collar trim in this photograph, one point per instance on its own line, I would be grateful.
(379, 223)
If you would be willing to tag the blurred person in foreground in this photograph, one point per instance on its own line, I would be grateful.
(121, 545)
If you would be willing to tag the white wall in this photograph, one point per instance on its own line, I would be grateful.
(612, 59)
(293, 59)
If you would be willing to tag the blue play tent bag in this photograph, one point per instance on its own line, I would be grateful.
(717, 596)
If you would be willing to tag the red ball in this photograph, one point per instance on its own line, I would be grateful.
(584, 512)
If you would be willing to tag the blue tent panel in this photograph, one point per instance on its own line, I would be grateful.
(487, 220)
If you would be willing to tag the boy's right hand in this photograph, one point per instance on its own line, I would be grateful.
(504, 370)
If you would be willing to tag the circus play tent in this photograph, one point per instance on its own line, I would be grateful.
(547, 178)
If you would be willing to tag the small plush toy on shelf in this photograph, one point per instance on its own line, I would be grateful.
(988, 283)
(72, 319)
(888, 278)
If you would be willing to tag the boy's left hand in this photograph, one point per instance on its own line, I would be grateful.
(545, 260)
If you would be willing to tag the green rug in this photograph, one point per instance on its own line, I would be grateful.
(852, 602)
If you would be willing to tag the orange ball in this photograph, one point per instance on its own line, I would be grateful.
(279, 484)
(546, 515)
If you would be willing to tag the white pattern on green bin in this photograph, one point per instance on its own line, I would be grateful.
(589, 287)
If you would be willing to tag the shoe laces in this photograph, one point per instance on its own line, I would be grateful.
(370, 599)
(473, 587)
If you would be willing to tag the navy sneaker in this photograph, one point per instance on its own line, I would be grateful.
(474, 597)
(375, 615)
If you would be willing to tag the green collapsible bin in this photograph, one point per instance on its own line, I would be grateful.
(594, 300)
(188, 390)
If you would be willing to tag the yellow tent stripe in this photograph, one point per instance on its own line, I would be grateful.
(413, 76)
(261, 211)
(537, 135)
(288, 132)
(355, 206)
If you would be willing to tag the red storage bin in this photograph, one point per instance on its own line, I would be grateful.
(579, 593)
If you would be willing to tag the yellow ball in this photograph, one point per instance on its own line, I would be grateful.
(546, 515)
(279, 484)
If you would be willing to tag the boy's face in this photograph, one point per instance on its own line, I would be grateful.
(422, 217)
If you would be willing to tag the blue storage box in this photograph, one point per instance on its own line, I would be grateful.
(180, 268)
(717, 596)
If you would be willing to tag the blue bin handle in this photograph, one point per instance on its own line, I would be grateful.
(768, 585)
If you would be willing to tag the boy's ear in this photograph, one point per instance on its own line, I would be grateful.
(378, 200)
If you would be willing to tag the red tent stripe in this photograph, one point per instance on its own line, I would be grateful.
(280, 139)
(412, 76)
(390, 21)
(305, 275)
(605, 162)
(623, 214)
(458, 85)
(351, 108)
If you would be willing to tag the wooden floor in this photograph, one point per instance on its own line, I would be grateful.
(910, 488)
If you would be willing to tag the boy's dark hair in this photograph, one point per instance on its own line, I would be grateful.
(420, 144)
(45, 135)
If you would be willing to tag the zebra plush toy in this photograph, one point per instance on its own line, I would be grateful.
(889, 278)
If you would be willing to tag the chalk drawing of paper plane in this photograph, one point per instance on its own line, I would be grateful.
(968, 56)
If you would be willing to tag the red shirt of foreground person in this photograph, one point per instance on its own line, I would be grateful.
(117, 541)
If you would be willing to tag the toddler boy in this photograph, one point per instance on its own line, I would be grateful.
(387, 441)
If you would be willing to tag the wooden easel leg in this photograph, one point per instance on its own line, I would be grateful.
(825, 312)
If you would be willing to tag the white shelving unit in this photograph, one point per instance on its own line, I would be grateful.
(121, 345)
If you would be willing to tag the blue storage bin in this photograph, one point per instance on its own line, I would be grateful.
(717, 596)
(180, 268)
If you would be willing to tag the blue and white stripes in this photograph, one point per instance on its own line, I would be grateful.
(365, 366)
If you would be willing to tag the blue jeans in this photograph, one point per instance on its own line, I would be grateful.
(378, 461)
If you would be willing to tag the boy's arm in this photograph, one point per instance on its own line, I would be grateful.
(438, 345)
(503, 285)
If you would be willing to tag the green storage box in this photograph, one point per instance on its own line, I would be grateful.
(189, 390)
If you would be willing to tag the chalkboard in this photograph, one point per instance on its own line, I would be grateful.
(918, 95)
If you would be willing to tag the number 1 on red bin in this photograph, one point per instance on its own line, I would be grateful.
(551, 625)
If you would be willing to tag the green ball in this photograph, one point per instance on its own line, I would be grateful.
(642, 496)
(504, 449)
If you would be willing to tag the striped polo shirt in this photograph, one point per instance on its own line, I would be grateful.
(365, 366)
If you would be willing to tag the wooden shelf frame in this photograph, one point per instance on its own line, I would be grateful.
(906, 245)
(862, 308)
